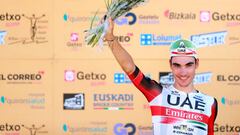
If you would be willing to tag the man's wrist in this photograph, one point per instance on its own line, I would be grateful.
(110, 39)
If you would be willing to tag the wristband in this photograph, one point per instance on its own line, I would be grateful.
(109, 40)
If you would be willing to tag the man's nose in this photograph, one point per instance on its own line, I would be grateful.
(183, 72)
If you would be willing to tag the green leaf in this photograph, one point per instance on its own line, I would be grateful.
(97, 37)
(93, 19)
(107, 3)
(91, 40)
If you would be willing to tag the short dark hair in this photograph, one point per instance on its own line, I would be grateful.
(193, 57)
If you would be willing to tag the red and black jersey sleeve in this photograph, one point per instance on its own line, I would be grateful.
(212, 117)
(148, 87)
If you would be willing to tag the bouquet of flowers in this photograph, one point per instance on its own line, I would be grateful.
(115, 9)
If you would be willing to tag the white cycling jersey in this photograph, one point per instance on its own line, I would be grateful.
(175, 112)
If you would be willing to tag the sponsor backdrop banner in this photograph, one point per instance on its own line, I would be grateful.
(26, 97)
(26, 29)
(52, 83)
(147, 31)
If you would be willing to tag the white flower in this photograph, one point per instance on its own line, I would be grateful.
(115, 9)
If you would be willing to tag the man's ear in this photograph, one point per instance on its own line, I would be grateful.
(197, 63)
(170, 63)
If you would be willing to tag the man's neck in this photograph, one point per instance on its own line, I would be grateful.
(187, 89)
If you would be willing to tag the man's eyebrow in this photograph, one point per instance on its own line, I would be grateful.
(190, 63)
(176, 64)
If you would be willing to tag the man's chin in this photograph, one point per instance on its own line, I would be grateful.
(184, 83)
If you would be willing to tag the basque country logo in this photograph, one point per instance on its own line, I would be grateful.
(74, 101)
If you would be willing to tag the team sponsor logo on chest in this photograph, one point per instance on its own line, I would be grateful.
(186, 102)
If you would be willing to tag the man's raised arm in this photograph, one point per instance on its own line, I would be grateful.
(122, 56)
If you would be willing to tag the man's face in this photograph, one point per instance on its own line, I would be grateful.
(183, 69)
